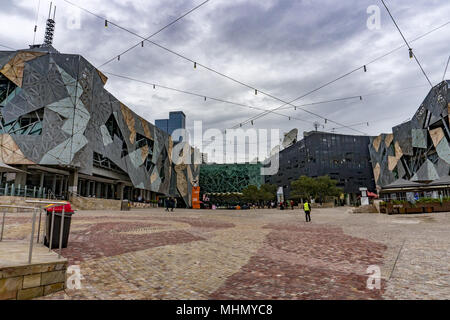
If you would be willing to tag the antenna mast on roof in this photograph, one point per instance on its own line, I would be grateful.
(50, 28)
(316, 125)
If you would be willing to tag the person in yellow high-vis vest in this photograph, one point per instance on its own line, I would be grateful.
(307, 209)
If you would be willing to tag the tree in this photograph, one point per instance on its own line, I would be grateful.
(321, 187)
(302, 188)
(326, 187)
(267, 192)
(250, 193)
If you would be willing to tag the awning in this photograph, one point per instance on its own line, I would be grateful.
(6, 168)
(402, 183)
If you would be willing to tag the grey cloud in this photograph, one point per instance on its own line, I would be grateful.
(284, 47)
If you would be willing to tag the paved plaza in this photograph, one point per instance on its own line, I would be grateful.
(254, 254)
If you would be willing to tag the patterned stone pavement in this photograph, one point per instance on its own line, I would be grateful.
(253, 254)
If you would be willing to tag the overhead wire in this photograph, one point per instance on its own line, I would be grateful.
(196, 64)
(36, 23)
(249, 86)
(412, 54)
(207, 97)
(387, 53)
(445, 71)
(155, 85)
(154, 33)
(1, 45)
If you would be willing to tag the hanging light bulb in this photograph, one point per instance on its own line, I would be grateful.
(295, 108)
(252, 122)
(256, 92)
(118, 58)
(106, 23)
(326, 120)
(367, 124)
(360, 97)
(289, 118)
(240, 124)
(142, 44)
(205, 98)
(411, 54)
(154, 87)
(195, 65)
(365, 68)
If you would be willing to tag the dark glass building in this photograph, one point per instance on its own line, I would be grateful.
(177, 120)
(344, 158)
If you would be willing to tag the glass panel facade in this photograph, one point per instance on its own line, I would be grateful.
(343, 158)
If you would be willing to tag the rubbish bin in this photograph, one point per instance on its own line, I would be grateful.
(125, 206)
(68, 212)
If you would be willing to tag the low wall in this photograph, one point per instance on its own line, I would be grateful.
(28, 282)
(143, 205)
(18, 201)
(365, 209)
(323, 205)
(79, 203)
(83, 203)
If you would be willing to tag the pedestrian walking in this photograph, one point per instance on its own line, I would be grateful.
(292, 204)
(166, 203)
(307, 209)
(172, 204)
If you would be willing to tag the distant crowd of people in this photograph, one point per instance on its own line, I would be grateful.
(171, 203)
(291, 204)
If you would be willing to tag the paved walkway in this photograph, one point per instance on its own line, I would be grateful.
(255, 254)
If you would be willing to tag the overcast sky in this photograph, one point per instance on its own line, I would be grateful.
(284, 47)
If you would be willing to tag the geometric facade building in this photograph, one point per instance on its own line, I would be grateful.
(344, 158)
(417, 150)
(57, 118)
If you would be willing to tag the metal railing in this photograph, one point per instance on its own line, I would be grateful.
(39, 209)
(33, 224)
(10, 189)
(52, 204)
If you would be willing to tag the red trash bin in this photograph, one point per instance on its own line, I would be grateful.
(68, 212)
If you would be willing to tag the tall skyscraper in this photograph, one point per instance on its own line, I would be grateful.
(177, 120)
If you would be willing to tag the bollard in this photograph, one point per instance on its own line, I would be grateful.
(30, 253)
(61, 230)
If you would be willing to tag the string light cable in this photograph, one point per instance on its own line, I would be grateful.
(154, 85)
(364, 67)
(249, 86)
(445, 71)
(154, 34)
(411, 53)
(217, 72)
(2, 45)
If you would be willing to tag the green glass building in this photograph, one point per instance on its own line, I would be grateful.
(223, 178)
